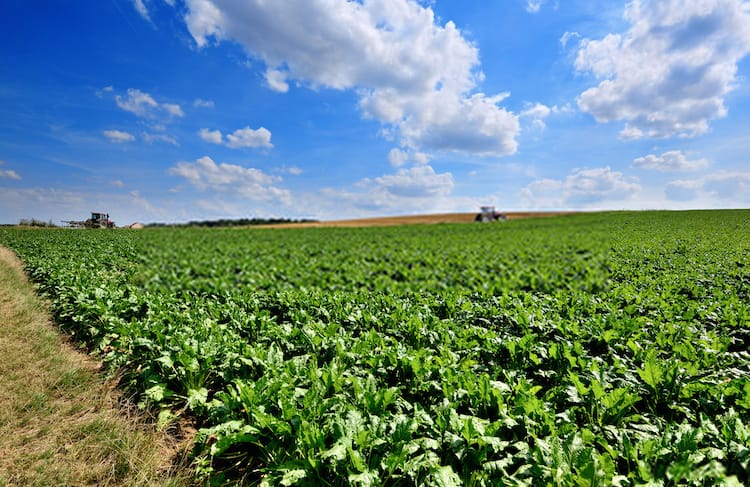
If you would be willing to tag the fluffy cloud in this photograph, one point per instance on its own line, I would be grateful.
(39, 201)
(413, 190)
(536, 113)
(583, 187)
(730, 188)
(137, 102)
(246, 182)
(598, 184)
(172, 109)
(277, 80)
(9, 174)
(213, 136)
(420, 158)
(397, 157)
(245, 137)
(143, 105)
(673, 160)
(682, 190)
(447, 122)
(57, 204)
(248, 137)
(141, 8)
(669, 73)
(533, 6)
(118, 136)
(416, 182)
(543, 188)
(411, 73)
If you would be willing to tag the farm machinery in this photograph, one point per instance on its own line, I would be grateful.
(97, 220)
(489, 214)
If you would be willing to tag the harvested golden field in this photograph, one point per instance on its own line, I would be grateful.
(413, 220)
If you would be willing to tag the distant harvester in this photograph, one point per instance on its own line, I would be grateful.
(97, 220)
(488, 214)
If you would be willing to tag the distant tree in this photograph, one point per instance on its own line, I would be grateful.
(232, 223)
(33, 222)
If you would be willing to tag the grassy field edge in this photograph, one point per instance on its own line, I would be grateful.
(60, 422)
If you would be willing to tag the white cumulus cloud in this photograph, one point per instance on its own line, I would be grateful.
(417, 189)
(276, 80)
(416, 182)
(533, 6)
(669, 73)
(673, 160)
(213, 136)
(581, 188)
(247, 137)
(541, 187)
(244, 137)
(420, 158)
(683, 189)
(9, 174)
(536, 113)
(173, 109)
(397, 157)
(137, 102)
(118, 136)
(536, 110)
(400, 157)
(728, 188)
(412, 73)
(247, 182)
(144, 105)
(598, 184)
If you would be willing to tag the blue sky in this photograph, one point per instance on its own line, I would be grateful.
(177, 110)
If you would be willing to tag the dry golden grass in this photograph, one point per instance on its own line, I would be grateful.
(60, 423)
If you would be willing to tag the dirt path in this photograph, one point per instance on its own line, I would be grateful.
(60, 424)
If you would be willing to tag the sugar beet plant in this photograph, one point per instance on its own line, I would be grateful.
(600, 349)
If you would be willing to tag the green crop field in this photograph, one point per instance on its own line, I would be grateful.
(591, 349)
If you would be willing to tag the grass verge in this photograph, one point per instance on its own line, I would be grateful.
(60, 424)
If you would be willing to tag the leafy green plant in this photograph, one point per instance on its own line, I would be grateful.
(595, 349)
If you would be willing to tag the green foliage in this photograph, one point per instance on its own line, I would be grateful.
(33, 222)
(601, 349)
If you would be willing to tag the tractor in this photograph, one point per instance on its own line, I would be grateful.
(488, 214)
(97, 220)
